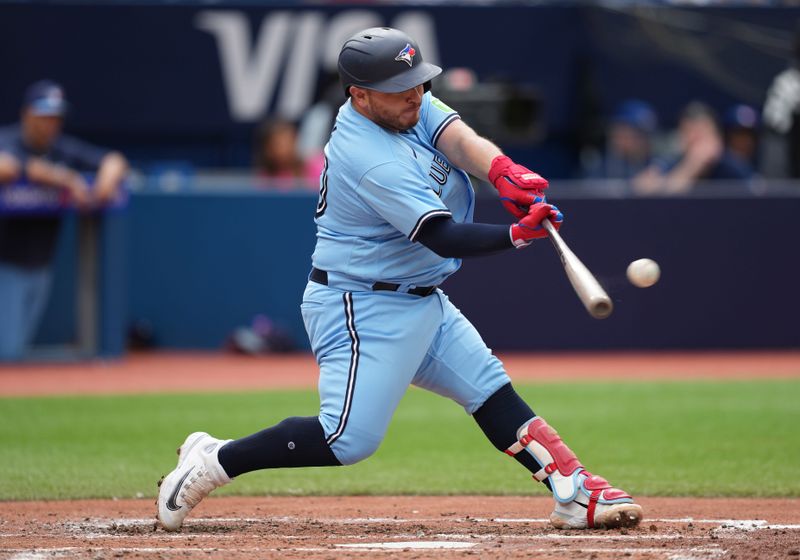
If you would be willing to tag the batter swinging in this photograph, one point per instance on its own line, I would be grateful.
(394, 219)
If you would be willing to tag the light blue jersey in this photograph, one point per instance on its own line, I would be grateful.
(378, 189)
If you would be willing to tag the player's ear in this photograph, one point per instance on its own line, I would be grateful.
(359, 95)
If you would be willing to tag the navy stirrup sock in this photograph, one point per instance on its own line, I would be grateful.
(295, 442)
(500, 417)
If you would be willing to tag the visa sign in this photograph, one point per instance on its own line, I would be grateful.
(278, 68)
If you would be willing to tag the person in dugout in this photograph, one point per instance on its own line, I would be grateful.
(36, 152)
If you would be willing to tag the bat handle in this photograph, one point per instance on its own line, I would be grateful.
(549, 227)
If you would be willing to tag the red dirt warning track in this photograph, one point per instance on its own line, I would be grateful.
(180, 372)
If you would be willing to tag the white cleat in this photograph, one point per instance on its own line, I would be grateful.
(197, 474)
(615, 516)
(596, 505)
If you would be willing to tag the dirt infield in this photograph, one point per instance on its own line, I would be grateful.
(387, 527)
(395, 527)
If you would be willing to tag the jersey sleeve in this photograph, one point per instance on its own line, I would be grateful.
(9, 144)
(401, 197)
(435, 115)
(81, 155)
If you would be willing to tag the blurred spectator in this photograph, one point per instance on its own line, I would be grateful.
(36, 151)
(703, 156)
(628, 144)
(278, 160)
(780, 153)
(741, 124)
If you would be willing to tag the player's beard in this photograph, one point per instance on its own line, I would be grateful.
(397, 121)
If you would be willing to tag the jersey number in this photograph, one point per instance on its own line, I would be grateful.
(322, 202)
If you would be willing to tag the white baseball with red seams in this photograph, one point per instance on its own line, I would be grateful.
(643, 273)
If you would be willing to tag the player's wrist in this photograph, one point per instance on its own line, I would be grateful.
(497, 167)
(518, 240)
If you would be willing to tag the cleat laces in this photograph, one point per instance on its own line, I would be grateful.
(197, 487)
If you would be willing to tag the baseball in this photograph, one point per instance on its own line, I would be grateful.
(643, 273)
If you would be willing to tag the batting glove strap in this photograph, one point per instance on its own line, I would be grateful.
(502, 167)
(517, 236)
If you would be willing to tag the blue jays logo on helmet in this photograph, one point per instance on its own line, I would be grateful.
(407, 55)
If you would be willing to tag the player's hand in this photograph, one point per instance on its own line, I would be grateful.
(78, 191)
(530, 226)
(517, 185)
(104, 194)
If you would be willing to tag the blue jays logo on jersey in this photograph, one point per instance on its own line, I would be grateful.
(407, 55)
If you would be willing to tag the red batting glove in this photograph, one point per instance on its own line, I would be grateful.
(530, 227)
(518, 186)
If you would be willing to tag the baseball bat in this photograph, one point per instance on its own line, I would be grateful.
(589, 290)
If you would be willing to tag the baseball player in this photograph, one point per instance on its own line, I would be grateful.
(394, 219)
(36, 151)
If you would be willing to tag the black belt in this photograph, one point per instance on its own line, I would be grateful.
(321, 277)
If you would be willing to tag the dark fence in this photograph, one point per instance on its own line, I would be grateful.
(199, 265)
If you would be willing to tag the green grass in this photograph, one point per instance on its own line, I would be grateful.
(681, 439)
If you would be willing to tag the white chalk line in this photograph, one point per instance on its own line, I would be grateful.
(694, 553)
(411, 545)
(691, 554)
